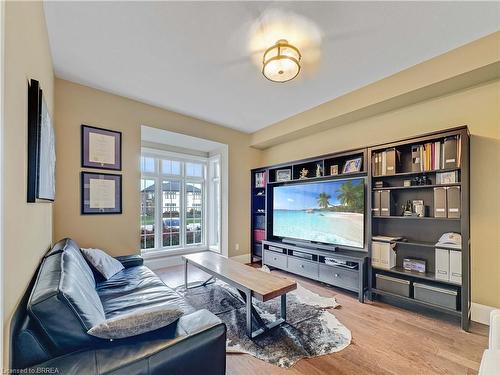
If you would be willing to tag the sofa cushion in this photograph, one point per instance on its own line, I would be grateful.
(136, 323)
(136, 288)
(102, 262)
(197, 345)
(490, 363)
(64, 301)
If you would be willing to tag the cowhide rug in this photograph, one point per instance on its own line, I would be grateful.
(310, 329)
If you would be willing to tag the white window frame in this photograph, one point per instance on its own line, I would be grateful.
(2, 168)
(159, 177)
(211, 204)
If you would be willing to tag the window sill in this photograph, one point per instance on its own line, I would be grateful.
(161, 253)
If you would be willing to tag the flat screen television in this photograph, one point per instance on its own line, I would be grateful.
(327, 212)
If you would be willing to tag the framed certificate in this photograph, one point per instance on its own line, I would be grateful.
(101, 193)
(101, 148)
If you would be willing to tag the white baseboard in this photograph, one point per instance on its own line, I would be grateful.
(157, 262)
(162, 259)
(245, 258)
(163, 262)
(481, 313)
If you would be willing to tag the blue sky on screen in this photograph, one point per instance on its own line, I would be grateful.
(302, 196)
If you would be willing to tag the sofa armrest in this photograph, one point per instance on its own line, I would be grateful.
(198, 346)
(490, 363)
(130, 260)
(494, 342)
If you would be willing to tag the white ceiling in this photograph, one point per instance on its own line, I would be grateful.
(192, 58)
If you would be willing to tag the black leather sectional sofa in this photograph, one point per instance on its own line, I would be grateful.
(67, 298)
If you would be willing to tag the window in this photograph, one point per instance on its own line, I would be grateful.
(172, 201)
(171, 167)
(148, 165)
(171, 213)
(148, 205)
(214, 203)
(194, 170)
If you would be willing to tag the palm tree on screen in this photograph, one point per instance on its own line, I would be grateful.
(346, 193)
(351, 195)
(323, 200)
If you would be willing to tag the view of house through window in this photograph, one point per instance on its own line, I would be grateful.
(173, 201)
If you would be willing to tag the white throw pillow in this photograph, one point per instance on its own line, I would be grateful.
(102, 262)
(136, 323)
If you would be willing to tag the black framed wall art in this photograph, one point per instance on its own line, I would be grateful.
(101, 193)
(101, 148)
(41, 148)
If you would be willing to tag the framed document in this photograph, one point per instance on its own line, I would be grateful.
(101, 193)
(101, 148)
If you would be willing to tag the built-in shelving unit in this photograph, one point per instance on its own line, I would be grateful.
(421, 233)
(320, 168)
(258, 209)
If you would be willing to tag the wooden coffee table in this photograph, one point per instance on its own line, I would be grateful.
(250, 283)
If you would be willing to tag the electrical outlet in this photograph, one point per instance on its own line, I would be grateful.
(236, 246)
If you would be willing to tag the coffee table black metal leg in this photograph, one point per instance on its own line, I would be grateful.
(248, 304)
(283, 306)
(361, 293)
(185, 274)
(251, 312)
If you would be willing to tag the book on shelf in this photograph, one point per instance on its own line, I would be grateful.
(260, 222)
(416, 158)
(259, 234)
(386, 162)
(436, 155)
(452, 152)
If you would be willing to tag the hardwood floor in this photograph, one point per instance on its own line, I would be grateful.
(385, 339)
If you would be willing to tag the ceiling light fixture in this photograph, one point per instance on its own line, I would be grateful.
(281, 62)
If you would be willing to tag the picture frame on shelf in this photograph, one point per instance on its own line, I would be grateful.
(41, 148)
(418, 207)
(352, 165)
(101, 193)
(283, 175)
(101, 148)
(260, 179)
(334, 170)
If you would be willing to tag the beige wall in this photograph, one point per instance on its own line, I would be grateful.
(479, 108)
(28, 227)
(119, 234)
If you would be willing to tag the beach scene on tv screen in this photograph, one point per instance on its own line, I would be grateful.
(329, 212)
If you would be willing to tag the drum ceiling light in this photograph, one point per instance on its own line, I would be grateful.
(281, 62)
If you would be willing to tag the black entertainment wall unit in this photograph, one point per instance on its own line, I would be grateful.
(423, 171)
